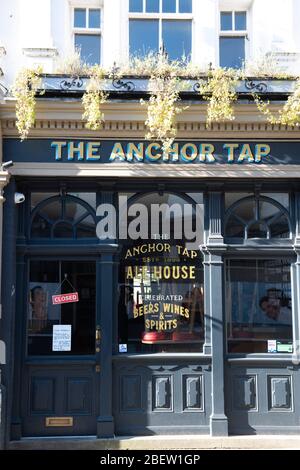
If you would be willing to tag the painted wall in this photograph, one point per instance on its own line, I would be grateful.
(40, 31)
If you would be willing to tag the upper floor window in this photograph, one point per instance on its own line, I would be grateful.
(87, 34)
(233, 32)
(154, 24)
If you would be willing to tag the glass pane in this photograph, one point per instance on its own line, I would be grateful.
(267, 211)
(240, 21)
(280, 228)
(232, 52)
(160, 287)
(160, 298)
(282, 198)
(231, 198)
(136, 6)
(234, 228)
(143, 37)
(257, 230)
(152, 6)
(94, 18)
(52, 211)
(177, 38)
(40, 228)
(246, 210)
(74, 211)
(63, 230)
(45, 280)
(36, 198)
(79, 18)
(86, 228)
(259, 308)
(169, 6)
(185, 6)
(89, 47)
(226, 21)
(90, 198)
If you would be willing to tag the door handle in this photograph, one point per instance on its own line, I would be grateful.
(98, 334)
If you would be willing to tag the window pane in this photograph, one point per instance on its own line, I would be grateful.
(143, 37)
(89, 46)
(257, 230)
(282, 198)
(259, 309)
(246, 210)
(280, 228)
(160, 302)
(226, 21)
(79, 17)
(235, 228)
(86, 228)
(152, 6)
(63, 230)
(160, 307)
(169, 6)
(45, 280)
(240, 21)
(136, 6)
(40, 228)
(232, 52)
(185, 6)
(177, 38)
(94, 18)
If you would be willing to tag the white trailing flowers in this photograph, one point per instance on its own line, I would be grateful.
(93, 99)
(219, 91)
(162, 106)
(165, 86)
(26, 85)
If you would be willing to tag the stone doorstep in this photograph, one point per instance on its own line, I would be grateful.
(178, 442)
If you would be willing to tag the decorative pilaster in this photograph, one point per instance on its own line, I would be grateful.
(8, 290)
(215, 218)
(106, 307)
(295, 285)
(218, 418)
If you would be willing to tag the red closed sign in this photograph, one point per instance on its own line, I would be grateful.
(65, 298)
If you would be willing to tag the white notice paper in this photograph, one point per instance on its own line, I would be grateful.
(61, 340)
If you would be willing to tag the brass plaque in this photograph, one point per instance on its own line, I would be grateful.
(59, 421)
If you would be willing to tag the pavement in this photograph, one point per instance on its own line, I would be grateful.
(178, 442)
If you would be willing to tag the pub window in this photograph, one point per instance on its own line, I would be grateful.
(62, 216)
(48, 278)
(259, 306)
(160, 24)
(87, 34)
(263, 216)
(233, 33)
(160, 303)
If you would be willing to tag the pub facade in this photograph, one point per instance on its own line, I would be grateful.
(152, 333)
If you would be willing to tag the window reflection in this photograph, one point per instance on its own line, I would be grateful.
(258, 305)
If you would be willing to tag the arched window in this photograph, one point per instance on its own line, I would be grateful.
(257, 217)
(63, 216)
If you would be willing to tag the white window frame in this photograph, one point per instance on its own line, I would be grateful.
(160, 17)
(233, 32)
(86, 30)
